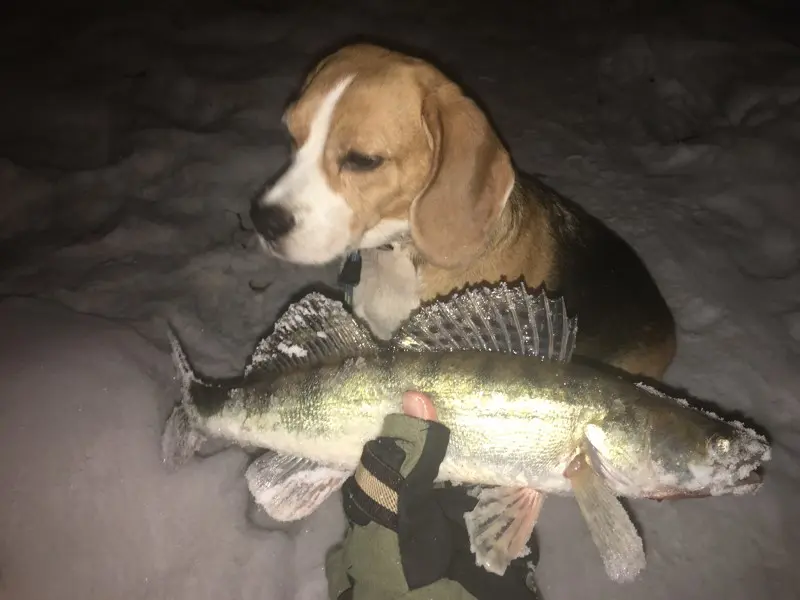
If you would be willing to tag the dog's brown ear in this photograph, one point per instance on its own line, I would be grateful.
(469, 181)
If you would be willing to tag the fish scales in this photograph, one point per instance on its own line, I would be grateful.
(499, 429)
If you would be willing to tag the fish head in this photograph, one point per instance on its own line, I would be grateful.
(674, 451)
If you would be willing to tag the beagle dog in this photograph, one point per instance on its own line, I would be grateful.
(391, 159)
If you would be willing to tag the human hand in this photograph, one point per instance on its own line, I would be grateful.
(408, 538)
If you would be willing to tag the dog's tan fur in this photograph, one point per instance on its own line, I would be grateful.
(448, 194)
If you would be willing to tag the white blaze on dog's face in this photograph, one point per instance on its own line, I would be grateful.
(384, 144)
(321, 216)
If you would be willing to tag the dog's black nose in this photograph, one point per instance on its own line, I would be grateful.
(271, 222)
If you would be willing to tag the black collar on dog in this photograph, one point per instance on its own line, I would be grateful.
(350, 275)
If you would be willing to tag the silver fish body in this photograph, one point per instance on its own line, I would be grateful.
(513, 420)
(522, 416)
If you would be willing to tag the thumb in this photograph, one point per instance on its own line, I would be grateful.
(419, 405)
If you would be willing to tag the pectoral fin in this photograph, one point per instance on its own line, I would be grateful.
(289, 488)
(501, 524)
(611, 528)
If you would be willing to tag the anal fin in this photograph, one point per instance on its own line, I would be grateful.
(610, 526)
(290, 488)
(493, 318)
(501, 524)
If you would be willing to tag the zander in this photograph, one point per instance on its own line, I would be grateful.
(525, 420)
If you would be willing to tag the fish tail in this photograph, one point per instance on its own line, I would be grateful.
(183, 369)
(181, 438)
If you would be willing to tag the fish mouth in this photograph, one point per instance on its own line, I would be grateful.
(753, 479)
(748, 484)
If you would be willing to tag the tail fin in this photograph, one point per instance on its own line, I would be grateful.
(181, 439)
(183, 369)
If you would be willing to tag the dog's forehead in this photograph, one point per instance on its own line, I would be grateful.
(389, 100)
(384, 89)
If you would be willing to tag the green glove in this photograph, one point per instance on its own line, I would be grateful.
(406, 539)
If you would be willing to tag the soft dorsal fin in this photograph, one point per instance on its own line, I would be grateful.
(311, 331)
(493, 318)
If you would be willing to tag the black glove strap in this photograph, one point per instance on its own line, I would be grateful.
(372, 493)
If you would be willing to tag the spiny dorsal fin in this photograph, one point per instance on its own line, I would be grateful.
(493, 318)
(311, 331)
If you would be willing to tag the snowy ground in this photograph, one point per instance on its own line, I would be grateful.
(129, 151)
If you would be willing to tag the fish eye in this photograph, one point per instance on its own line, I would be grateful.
(721, 445)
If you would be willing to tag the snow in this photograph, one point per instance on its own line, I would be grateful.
(292, 350)
(85, 503)
(130, 147)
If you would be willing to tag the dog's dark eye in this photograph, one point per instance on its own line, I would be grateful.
(355, 161)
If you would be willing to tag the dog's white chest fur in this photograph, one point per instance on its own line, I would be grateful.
(388, 291)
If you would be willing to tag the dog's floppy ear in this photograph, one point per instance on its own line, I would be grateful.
(469, 181)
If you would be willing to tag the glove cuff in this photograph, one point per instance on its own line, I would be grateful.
(374, 497)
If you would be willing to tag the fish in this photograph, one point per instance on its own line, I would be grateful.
(526, 420)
